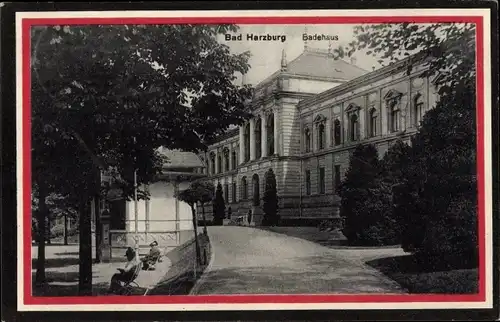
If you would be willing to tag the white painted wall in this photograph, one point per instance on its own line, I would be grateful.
(164, 210)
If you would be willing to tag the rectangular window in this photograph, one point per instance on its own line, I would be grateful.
(234, 192)
(337, 178)
(321, 180)
(235, 163)
(308, 182)
(226, 192)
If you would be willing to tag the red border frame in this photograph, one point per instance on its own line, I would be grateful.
(28, 299)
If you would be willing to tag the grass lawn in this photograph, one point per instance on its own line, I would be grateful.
(394, 263)
(417, 279)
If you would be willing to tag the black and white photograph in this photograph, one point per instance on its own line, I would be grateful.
(203, 159)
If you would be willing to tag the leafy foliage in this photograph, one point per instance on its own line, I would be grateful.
(219, 206)
(366, 203)
(447, 49)
(125, 93)
(442, 175)
(434, 186)
(198, 192)
(108, 95)
(270, 205)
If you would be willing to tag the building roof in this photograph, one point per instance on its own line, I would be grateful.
(319, 63)
(180, 159)
(366, 79)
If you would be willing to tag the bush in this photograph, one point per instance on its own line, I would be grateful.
(329, 225)
(450, 235)
(57, 231)
(219, 206)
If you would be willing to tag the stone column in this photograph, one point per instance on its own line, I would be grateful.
(147, 211)
(230, 157)
(263, 132)
(242, 144)
(276, 133)
(252, 139)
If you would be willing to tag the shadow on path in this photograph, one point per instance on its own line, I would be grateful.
(57, 262)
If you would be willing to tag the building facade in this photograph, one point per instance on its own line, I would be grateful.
(307, 118)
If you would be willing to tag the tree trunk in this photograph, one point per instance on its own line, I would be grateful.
(48, 228)
(196, 241)
(65, 229)
(85, 265)
(41, 216)
(204, 219)
(98, 233)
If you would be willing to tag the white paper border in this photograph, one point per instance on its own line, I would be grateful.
(485, 13)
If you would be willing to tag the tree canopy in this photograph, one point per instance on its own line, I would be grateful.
(112, 95)
(127, 90)
(447, 49)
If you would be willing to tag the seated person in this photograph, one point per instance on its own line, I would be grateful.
(126, 273)
(150, 259)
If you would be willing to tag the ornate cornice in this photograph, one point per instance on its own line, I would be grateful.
(362, 80)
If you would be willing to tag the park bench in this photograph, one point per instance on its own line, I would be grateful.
(128, 286)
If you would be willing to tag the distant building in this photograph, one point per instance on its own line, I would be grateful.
(308, 116)
(163, 217)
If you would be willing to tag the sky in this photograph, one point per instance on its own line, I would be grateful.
(266, 55)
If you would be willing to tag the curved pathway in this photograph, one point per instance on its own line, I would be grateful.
(247, 260)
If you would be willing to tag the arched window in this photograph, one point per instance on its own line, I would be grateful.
(373, 122)
(321, 136)
(234, 160)
(219, 165)
(394, 115)
(256, 191)
(353, 127)
(247, 142)
(307, 140)
(418, 107)
(320, 121)
(212, 163)
(392, 99)
(336, 132)
(244, 188)
(258, 138)
(270, 134)
(226, 159)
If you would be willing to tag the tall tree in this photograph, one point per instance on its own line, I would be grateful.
(191, 197)
(270, 206)
(112, 95)
(395, 165)
(441, 174)
(204, 193)
(219, 206)
(366, 202)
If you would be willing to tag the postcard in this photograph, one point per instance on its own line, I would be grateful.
(254, 160)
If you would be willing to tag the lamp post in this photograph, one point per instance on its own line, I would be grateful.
(136, 206)
(136, 213)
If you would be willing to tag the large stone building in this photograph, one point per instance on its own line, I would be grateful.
(307, 117)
